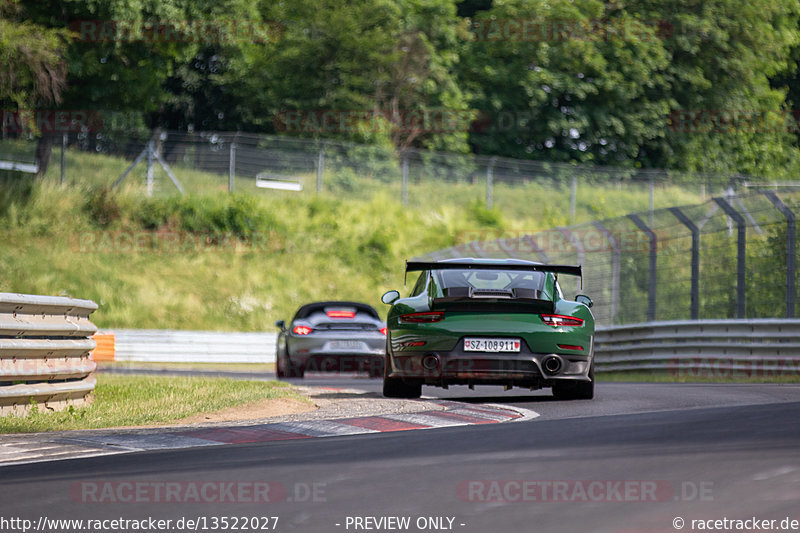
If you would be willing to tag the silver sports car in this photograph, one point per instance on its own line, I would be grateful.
(331, 337)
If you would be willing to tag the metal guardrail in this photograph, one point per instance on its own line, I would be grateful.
(44, 351)
(713, 348)
(166, 346)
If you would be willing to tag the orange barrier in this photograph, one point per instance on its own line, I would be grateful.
(105, 350)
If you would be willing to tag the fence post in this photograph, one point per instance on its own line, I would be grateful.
(63, 159)
(791, 246)
(320, 169)
(686, 221)
(741, 248)
(615, 268)
(652, 199)
(404, 192)
(573, 197)
(651, 276)
(231, 168)
(489, 182)
(150, 152)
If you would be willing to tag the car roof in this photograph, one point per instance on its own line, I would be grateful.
(313, 307)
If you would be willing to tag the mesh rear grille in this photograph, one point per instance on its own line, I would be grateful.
(491, 294)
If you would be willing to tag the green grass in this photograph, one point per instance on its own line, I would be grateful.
(145, 400)
(540, 204)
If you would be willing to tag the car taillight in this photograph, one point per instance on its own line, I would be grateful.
(561, 320)
(302, 330)
(384, 330)
(422, 318)
(571, 347)
(340, 314)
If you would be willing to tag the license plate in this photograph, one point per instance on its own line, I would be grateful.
(491, 345)
(345, 345)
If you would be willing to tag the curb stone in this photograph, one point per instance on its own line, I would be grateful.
(385, 416)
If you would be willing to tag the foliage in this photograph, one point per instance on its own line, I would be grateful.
(608, 83)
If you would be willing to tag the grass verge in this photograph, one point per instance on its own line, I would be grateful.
(188, 366)
(149, 400)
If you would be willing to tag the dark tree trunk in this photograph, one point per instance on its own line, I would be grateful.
(44, 147)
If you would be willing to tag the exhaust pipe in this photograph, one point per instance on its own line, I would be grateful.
(552, 365)
(430, 362)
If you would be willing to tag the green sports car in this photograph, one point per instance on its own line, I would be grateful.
(489, 322)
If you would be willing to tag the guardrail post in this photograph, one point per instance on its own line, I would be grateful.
(686, 221)
(615, 268)
(653, 257)
(741, 247)
(791, 243)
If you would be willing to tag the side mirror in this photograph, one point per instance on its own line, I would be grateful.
(280, 324)
(585, 300)
(389, 297)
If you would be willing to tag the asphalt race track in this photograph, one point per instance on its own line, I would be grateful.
(638, 458)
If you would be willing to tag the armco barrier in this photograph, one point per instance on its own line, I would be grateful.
(143, 345)
(714, 348)
(44, 351)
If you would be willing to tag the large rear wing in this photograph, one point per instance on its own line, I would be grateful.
(414, 266)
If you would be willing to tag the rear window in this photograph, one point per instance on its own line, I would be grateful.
(336, 310)
(490, 279)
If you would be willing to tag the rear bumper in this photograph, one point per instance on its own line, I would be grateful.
(457, 367)
(331, 354)
(331, 362)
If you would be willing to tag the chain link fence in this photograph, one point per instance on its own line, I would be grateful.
(163, 162)
(733, 256)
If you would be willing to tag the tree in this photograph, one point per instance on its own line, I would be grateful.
(725, 115)
(33, 73)
(379, 65)
(565, 81)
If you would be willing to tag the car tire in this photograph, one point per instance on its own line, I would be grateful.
(575, 390)
(397, 388)
(280, 369)
(374, 372)
(296, 371)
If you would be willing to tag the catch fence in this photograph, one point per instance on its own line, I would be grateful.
(734, 256)
(166, 162)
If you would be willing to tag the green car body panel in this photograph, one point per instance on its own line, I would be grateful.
(433, 351)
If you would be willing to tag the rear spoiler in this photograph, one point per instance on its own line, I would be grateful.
(413, 266)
